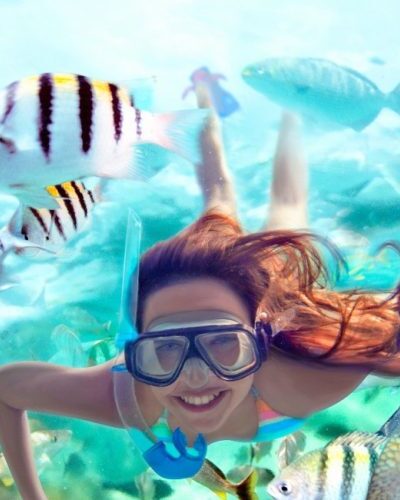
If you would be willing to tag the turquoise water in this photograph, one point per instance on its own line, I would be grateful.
(353, 197)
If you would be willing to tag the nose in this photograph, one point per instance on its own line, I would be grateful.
(196, 373)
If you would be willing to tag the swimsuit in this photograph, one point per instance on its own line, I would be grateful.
(271, 424)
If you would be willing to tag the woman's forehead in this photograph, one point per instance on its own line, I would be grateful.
(194, 296)
(193, 318)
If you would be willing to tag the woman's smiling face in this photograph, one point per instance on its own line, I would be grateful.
(198, 400)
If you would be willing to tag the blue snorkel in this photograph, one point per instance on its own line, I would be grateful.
(170, 458)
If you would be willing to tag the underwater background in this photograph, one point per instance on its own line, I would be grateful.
(64, 308)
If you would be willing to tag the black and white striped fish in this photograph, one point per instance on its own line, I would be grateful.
(61, 127)
(50, 228)
(352, 467)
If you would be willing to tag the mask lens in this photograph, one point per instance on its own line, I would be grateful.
(230, 351)
(160, 357)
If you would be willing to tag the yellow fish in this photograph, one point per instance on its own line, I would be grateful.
(213, 478)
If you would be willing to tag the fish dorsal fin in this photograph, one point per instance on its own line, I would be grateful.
(358, 438)
(392, 425)
(34, 197)
(216, 469)
(356, 74)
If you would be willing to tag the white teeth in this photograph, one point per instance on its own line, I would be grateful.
(203, 400)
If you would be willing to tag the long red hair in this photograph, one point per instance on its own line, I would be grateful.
(283, 274)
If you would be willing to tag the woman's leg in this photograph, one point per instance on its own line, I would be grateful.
(213, 173)
(289, 188)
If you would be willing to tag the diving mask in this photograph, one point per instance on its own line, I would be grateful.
(221, 344)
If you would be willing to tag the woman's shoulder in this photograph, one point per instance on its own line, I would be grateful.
(298, 388)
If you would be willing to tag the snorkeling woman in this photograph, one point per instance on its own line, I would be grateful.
(239, 337)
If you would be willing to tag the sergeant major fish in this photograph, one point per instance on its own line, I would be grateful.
(47, 229)
(60, 127)
(350, 467)
(321, 89)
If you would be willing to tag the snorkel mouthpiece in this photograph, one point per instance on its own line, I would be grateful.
(188, 462)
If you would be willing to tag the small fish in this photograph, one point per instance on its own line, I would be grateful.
(321, 89)
(46, 444)
(223, 102)
(344, 468)
(253, 452)
(44, 438)
(60, 127)
(377, 60)
(213, 478)
(69, 349)
(57, 226)
(260, 450)
(81, 319)
(48, 229)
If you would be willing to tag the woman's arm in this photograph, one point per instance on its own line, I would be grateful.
(85, 393)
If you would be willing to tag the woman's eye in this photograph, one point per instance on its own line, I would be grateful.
(168, 347)
(222, 340)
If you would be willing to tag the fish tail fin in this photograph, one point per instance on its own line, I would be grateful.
(221, 495)
(179, 132)
(393, 100)
(246, 489)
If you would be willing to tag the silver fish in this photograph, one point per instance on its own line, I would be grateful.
(32, 229)
(60, 127)
(46, 444)
(321, 89)
(344, 469)
(54, 227)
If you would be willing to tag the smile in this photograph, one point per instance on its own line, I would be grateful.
(201, 403)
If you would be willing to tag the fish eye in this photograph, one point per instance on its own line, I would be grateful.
(284, 488)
